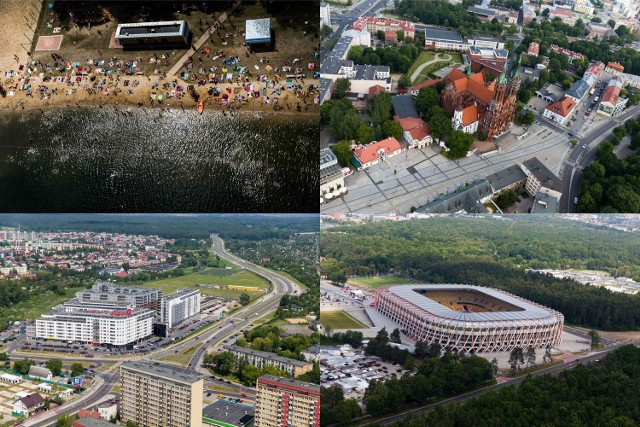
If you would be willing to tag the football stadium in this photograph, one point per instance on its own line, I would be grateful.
(468, 318)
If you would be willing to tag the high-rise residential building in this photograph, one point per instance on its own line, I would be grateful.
(95, 323)
(159, 396)
(284, 402)
(325, 14)
(103, 291)
(179, 306)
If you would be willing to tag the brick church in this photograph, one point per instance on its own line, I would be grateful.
(476, 106)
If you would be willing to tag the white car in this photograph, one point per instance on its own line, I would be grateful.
(584, 145)
(575, 200)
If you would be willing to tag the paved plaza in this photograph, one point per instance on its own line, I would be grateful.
(417, 177)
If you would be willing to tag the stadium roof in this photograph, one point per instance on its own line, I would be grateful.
(529, 310)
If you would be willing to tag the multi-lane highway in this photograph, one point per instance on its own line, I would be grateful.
(208, 336)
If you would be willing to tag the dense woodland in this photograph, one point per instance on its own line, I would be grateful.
(611, 184)
(495, 252)
(437, 376)
(602, 394)
(233, 226)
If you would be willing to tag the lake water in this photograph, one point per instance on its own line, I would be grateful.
(152, 160)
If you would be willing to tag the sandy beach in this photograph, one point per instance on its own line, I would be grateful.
(221, 71)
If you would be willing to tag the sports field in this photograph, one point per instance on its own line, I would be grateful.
(340, 320)
(374, 282)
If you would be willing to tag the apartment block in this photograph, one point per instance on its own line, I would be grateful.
(111, 292)
(179, 306)
(95, 323)
(284, 402)
(159, 396)
(260, 359)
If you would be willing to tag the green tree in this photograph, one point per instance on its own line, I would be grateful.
(404, 82)
(22, 366)
(392, 128)
(244, 298)
(595, 338)
(341, 87)
(459, 144)
(224, 362)
(506, 199)
(395, 336)
(65, 420)
(346, 411)
(528, 118)
(611, 23)
(365, 134)
(355, 54)
(343, 152)
(531, 356)
(427, 98)
(54, 365)
(325, 31)
(76, 369)
(440, 125)
(381, 108)
(596, 19)
(380, 35)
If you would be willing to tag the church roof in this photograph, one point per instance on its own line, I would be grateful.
(469, 115)
(474, 84)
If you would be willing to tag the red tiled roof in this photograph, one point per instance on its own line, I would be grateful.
(374, 90)
(560, 12)
(469, 115)
(87, 413)
(562, 107)
(426, 83)
(370, 152)
(409, 122)
(421, 132)
(390, 35)
(611, 95)
(616, 66)
(534, 48)
(474, 84)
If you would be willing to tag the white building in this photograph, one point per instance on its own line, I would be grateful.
(179, 306)
(466, 119)
(540, 179)
(481, 41)
(560, 111)
(40, 372)
(331, 177)
(95, 323)
(435, 38)
(612, 104)
(28, 405)
(11, 379)
(325, 14)
(108, 410)
(583, 6)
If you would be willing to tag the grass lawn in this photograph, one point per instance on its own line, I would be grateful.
(374, 282)
(340, 320)
(244, 278)
(425, 56)
(40, 302)
(429, 70)
(219, 272)
(183, 356)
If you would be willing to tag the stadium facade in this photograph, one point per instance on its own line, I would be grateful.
(469, 318)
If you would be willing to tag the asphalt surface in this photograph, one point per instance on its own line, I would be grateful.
(241, 319)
